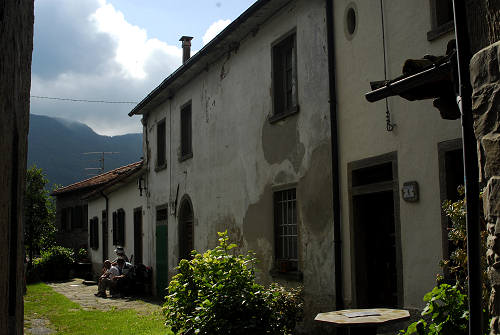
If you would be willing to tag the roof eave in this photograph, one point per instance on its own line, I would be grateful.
(225, 41)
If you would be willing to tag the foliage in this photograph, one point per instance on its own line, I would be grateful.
(67, 317)
(81, 254)
(54, 263)
(447, 308)
(39, 209)
(216, 293)
(456, 265)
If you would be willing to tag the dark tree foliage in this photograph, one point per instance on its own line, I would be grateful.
(39, 209)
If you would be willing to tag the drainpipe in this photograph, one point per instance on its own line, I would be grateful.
(337, 241)
(471, 169)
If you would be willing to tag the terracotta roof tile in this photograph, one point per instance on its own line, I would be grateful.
(99, 180)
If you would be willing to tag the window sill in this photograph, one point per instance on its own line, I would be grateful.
(186, 157)
(440, 31)
(160, 167)
(290, 275)
(278, 117)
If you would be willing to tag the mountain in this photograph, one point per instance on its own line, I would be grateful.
(58, 145)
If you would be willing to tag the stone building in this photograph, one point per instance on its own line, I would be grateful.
(240, 138)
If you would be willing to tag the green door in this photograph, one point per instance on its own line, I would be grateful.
(161, 252)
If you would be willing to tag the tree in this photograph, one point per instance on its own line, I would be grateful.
(39, 211)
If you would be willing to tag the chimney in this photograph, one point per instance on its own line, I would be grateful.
(186, 48)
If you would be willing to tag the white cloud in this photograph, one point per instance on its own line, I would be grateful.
(133, 45)
(214, 29)
(99, 56)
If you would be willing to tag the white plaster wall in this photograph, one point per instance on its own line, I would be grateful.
(418, 129)
(125, 197)
(233, 172)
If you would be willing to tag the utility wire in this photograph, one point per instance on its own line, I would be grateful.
(84, 100)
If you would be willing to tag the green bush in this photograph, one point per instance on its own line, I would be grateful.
(216, 293)
(448, 312)
(81, 255)
(54, 264)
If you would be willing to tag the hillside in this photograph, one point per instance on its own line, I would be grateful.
(57, 146)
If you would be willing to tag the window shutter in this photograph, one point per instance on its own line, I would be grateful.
(91, 240)
(115, 218)
(96, 233)
(121, 227)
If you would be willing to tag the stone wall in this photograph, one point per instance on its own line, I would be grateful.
(485, 80)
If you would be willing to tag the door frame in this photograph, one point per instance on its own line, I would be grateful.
(393, 185)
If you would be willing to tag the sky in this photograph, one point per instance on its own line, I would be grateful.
(114, 51)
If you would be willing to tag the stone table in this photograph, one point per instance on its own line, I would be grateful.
(363, 321)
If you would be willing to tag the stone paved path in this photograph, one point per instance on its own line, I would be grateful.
(83, 295)
(76, 291)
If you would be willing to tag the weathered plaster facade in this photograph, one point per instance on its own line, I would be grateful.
(240, 158)
(69, 234)
(126, 196)
(417, 132)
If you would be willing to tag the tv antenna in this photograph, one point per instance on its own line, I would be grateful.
(101, 161)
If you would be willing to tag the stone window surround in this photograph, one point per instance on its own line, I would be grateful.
(436, 29)
(277, 116)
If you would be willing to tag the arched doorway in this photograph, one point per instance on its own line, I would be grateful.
(186, 228)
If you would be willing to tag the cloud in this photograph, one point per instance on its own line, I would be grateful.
(214, 29)
(87, 50)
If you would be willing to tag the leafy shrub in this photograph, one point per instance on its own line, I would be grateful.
(448, 311)
(81, 255)
(216, 293)
(54, 263)
(457, 235)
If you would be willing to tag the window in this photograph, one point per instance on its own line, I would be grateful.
(162, 215)
(441, 18)
(284, 78)
(119, 227)
(65, 217)
(94, 233)
(186, 137)
(286, 234)
(161, 147)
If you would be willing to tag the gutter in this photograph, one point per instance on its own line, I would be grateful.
(332, 88)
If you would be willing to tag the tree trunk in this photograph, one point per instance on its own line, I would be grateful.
(16, 45)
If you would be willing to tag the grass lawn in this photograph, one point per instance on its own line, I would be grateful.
(67, 317)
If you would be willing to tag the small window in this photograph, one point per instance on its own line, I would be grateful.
(65, 217)
(94, 233)
(441, 18)
(77, 217)
(119, 227)
(162, 215)
(161, 144)
(186, 132)
(286, 231)
(284, 61)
